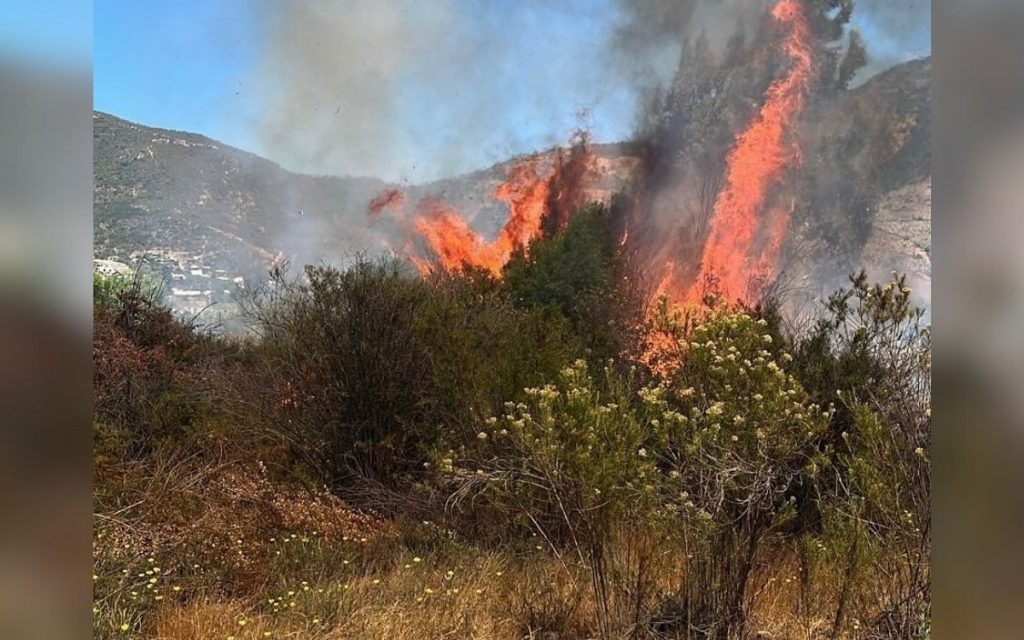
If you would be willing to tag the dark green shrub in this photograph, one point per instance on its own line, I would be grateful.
(581, 273)
(376, 366)
(870, 355)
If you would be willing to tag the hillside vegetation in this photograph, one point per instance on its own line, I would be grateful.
(535, 456)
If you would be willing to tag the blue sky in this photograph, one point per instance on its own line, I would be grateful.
(56, 32)
(181, 64)
(196, 65)
(498, 78)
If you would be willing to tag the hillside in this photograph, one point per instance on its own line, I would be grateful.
(205, 210)
(868, 167)
(532, 440)
(185, 196)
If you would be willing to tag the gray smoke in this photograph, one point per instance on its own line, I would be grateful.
(406, 90)
(648, 39)
(893, 31)
(400, 89)
(335, 73)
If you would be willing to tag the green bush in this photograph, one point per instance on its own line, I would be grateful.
(571, 462)
(732, 447)
(869, 354)
(581, 273)
(376, 366)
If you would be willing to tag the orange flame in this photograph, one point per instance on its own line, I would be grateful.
(391, 198)
(456, 245)
(531, 192)
(667, 281)
(755, 165)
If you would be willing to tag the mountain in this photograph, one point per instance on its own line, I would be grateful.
(208, 214)
(865, 198)
(183, 196)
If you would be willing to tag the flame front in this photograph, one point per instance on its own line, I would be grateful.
(532, 190)
(456, 245)
(747, 230)
(755, 165)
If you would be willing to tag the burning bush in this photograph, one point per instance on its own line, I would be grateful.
(661, 495)
(582, 273)
(731, 459)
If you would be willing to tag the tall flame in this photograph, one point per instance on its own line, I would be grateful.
(755, 165)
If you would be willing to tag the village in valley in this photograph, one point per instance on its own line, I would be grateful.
(193, 286)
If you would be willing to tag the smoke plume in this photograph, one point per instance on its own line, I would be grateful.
(414, 91)
(723, 93)
(336, 73)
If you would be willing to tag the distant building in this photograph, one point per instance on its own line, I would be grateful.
(111, 268)
(175, 291)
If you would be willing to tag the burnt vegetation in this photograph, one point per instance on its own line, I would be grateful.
(540, 454)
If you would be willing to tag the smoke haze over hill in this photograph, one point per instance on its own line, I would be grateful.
(409, 92)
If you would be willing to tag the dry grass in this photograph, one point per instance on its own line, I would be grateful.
(483, 596)
(185, 551)
(416, 603)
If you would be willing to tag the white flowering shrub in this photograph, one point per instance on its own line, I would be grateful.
(876, 521)
(570, 462)
(741, 441)
(574, 450)
(870, 352)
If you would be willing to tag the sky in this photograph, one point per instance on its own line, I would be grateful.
(405, 90)
(57, 32)
(181, 64)
(201, 65)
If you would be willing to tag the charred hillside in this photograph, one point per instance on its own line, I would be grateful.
(764, 168)
(869, 160)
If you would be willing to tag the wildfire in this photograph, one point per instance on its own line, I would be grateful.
(667, 281)
(533, 193)
(747, 228)
(756, 164)
(452, 242)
